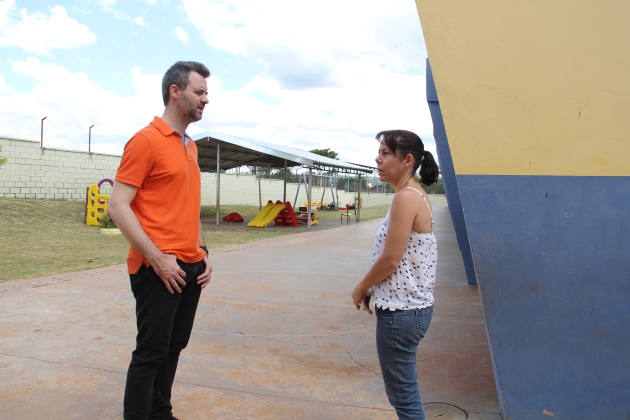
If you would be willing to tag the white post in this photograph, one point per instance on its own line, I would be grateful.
(218, 180)
(284, 196)
(309, 208)
(359, 200)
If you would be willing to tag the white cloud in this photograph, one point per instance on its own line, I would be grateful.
(72, 102)
(301, 43)
(181, 34)
(373, 101)
(3, 85)
(119, 14)
(334, 84)
(5, 8)
(106, 5)
(339, 77)
(39, 33)
(151, 2)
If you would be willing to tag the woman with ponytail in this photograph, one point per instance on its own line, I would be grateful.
(401, 280)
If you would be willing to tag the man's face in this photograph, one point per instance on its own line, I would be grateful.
(194, 98)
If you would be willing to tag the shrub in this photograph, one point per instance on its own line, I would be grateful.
(106, 222)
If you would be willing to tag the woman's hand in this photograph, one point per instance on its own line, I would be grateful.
(365, 302)
(360, 298)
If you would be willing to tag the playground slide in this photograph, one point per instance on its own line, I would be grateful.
(294, 220)
(263, 213)
(268, 218)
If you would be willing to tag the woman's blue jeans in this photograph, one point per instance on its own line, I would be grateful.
(398, 334)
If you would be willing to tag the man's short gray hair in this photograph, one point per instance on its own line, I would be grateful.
(178, 75)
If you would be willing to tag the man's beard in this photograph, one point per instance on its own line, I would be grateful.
(189, 110)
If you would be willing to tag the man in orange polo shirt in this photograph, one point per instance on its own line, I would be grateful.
(155, 202)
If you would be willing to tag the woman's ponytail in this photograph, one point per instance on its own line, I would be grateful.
(429, 170)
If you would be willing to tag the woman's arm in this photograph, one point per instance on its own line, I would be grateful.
(401, 216)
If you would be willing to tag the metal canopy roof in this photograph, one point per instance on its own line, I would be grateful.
(236, 151)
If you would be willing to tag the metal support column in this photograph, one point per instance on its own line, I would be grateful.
(218, 180)
(90, 139)
(41, 134)
(359, 200)
(309, 208)
(284, 196)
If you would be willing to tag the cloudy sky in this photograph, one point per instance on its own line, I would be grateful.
(326, 74)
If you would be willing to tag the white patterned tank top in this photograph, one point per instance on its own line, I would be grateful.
(411, 284)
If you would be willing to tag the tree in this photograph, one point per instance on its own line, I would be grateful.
(3, 160)
(437, 188)
(325, 152)
(263, 172)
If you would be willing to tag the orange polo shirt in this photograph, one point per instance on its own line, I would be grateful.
(168, 199)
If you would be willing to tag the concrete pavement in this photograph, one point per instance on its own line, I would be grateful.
(276, 337)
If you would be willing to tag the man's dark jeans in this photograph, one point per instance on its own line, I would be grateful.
(164, 323)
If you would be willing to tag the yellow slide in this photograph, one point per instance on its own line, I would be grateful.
(260, 215)
(268, 218)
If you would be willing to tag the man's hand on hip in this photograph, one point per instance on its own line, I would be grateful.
(204, 278)
(165, 266)
(171, 274)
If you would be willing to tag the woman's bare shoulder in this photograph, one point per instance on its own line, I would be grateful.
(405, 199)
(411, 193)
(410, 199)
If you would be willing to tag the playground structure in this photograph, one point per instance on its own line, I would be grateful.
(96, 203)
(219, 152)
(329, 181)
(233, 217)
(317, 204)
(302, 216)
(281, 214)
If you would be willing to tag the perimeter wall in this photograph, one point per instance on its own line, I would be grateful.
(54, 174)
(534, 101)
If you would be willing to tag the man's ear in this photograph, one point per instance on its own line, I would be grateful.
(174, 91)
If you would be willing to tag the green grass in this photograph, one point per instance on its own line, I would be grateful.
(44, 237)
(368, 213)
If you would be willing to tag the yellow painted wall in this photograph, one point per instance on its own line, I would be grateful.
(537, 87)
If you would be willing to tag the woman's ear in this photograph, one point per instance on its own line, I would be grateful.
(408, 161)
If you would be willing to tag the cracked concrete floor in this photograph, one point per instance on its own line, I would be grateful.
(276, 337)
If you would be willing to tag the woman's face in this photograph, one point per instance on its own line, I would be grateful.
(390, 167)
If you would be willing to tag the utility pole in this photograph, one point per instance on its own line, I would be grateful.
(90, 140)
(41, 141)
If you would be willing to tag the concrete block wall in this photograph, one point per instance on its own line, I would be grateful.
(52, 174)
(55, 174)
(243, 189)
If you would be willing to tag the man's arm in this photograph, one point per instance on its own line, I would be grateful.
(119, 209)
(204, 278)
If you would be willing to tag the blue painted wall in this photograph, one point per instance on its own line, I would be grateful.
(552, 255)
(448, 177)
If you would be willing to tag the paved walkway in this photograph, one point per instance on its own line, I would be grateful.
(276, 337)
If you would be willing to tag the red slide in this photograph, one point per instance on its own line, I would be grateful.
(286, 217)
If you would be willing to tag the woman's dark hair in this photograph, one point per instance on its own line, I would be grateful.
(403, 143)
